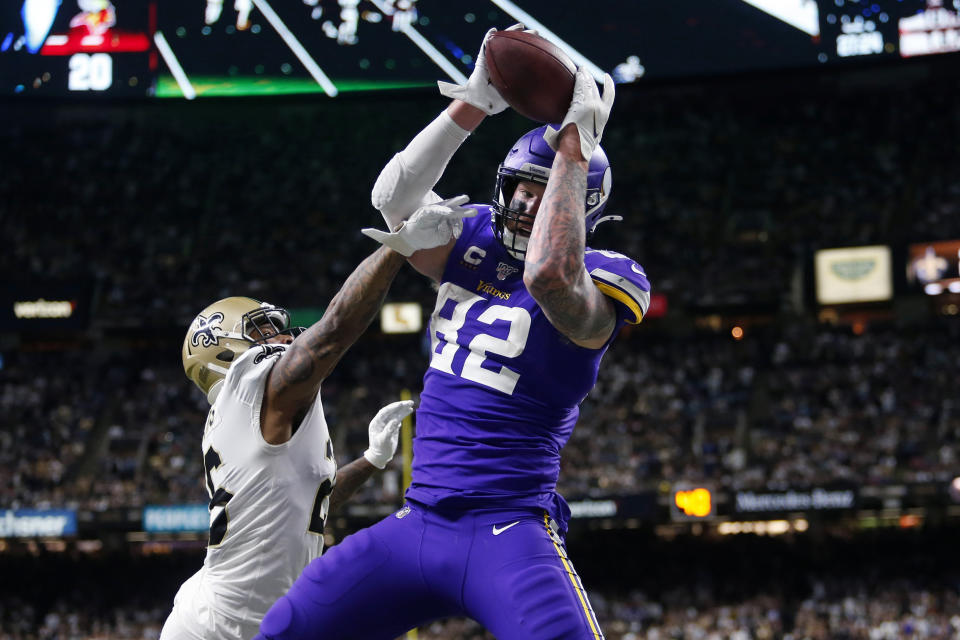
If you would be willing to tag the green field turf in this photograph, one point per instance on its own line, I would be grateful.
(217, 86)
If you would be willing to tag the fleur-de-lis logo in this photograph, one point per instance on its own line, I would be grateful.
(268, 351)
(203, 336)
(505, 270)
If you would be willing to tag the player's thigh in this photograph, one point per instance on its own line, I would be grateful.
(522, 585)
(176, 629)
(369, 586)
(192, 618)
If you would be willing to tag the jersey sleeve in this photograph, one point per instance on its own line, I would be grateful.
(622, 280)
(247, 376)
(470, 248)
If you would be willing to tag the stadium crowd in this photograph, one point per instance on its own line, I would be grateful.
(166, 208)
(895, 613)
(787, 409)
(788, 406)
(724, 197)
(870, 586)
(798, 407)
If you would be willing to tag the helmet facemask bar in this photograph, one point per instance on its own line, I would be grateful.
(596, 199)
(515, 240)
(512, 225)
(255, 324)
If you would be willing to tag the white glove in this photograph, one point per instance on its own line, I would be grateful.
(478, 91)
(588, 111)
(385, 431)
(214, 8)
(432, 225)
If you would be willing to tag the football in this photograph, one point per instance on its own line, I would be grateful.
(533, 75)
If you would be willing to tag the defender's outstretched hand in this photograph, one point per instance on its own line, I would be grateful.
(385, 431)
(588, 111)
(478, 91)
(432, 225)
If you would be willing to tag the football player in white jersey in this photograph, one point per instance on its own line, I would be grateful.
(270, 470)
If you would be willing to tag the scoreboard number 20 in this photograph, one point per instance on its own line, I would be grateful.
(90, 72)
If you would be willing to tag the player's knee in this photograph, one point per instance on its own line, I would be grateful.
(278, 621)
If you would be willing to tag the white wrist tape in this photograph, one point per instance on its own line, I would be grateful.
(407, 180)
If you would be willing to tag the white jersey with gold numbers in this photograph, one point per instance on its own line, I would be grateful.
(268, 504)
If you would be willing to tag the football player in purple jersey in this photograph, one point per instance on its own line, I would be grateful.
(524, 313)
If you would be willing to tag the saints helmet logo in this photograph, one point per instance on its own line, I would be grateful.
(505, 270)
(203, 336)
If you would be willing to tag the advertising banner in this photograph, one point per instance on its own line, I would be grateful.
(182, 518)
(785, 501)
(854, 274)
(32, 523)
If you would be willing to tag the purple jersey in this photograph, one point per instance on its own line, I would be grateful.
(502, 392)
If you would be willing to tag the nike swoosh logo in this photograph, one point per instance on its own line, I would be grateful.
(636, 269)
(497, 531)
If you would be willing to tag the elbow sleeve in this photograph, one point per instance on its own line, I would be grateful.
(406, 182)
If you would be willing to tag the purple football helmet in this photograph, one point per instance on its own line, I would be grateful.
(530, 159)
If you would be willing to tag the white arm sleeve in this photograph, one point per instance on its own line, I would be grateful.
(407, 181)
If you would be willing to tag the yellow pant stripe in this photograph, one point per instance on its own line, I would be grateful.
(575, 581)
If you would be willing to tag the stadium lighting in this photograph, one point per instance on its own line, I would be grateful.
(802, 14)
(954, 490)
(311, 65)
(428, 49)
(174, 65)
(763, 527)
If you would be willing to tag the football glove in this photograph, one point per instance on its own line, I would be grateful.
(384, 432)
(588, 111)
(432, 225)
(478, 91)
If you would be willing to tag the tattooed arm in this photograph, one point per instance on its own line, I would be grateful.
(554, 273)
(294, 381)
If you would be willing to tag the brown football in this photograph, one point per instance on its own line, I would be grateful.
(533, 75)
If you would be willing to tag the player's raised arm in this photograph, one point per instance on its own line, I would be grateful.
(407, 181)
(295, 380)
(554, 272)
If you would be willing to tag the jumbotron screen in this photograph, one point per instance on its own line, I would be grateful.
(202, 48)
(935, 266)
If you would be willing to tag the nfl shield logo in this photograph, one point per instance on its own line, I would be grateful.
(505, 270)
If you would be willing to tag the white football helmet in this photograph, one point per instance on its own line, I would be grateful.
(222, 332)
